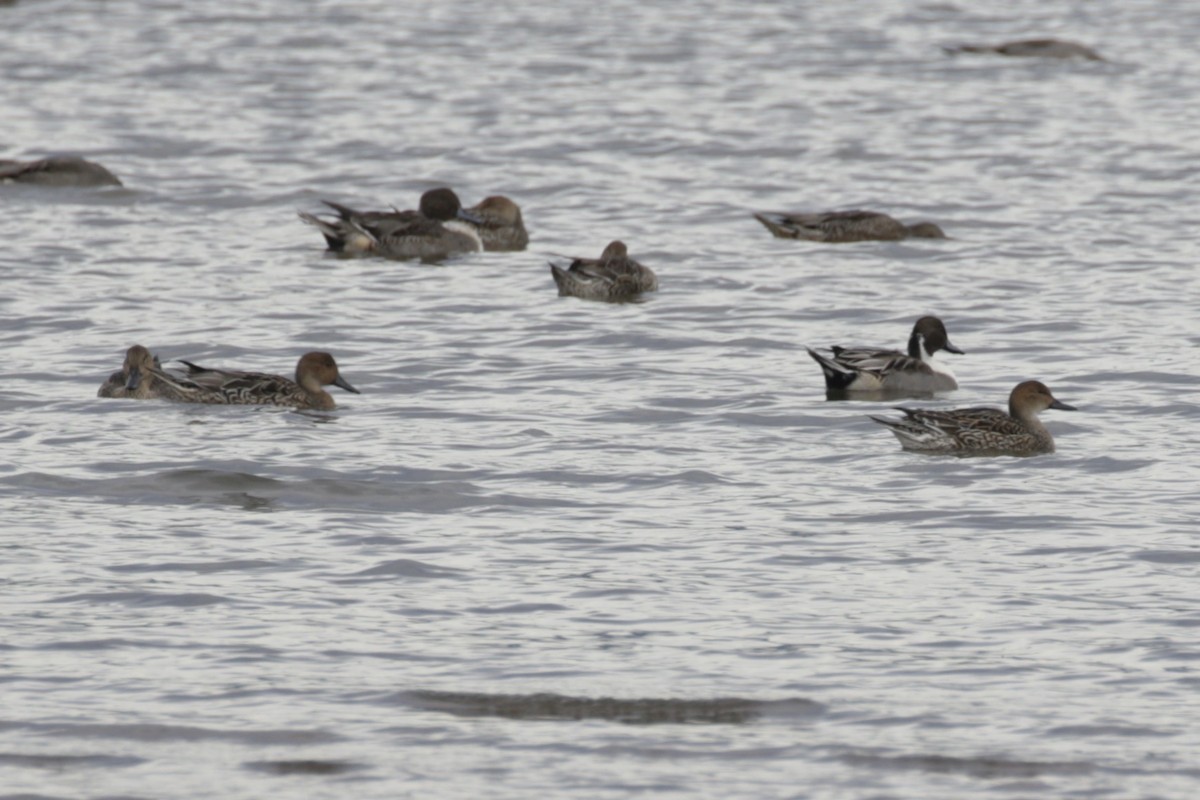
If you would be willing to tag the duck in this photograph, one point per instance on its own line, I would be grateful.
(142, 377)
(1032, 48)
(852, 370)
(614, 277)
(314, 371)
(57, 171)
(981, 431)
(439, 229)
(845, 226)
(499, 224)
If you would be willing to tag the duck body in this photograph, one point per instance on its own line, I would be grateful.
(1032, 48)
(613, 278)
(314, 371)
(845, 226)
(57, 171)
(864, 370)
(981, 431)
(440, 229)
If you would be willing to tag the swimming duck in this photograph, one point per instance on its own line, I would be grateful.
(441, 228)
(499, 224)
(864, 369)
(142, 377)
(314, 371)
(845, 226)
(981, 431)
(614, 277)
(57, 171)
(1034, 48)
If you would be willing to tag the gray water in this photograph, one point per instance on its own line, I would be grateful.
(569, 549)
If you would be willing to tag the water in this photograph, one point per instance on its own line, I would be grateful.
(560, 549)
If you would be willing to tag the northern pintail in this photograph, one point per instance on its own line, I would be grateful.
(1034, 48)
(614, 277)
(981, 431)
(499, 224)
(142, 377)
(845, 226)
(234, 387)
(441, 228)
(864, 369)
(57, 171)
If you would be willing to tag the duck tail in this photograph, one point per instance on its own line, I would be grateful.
(562, 279)
(777, 224)
(332, 233)
(837, 377)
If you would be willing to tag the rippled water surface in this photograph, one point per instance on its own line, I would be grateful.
(569, 549)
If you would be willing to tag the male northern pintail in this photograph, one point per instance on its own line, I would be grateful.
(614, 277)
(57, 171)
(441, 228)
(845, 226)
(233, 387)
(142, 377)
(981, 431)
(864, 369)
(499, 224)
(1033, 48)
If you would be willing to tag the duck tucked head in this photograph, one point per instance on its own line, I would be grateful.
(926, 230)
(498, 210)
(319, 369)
(928, 336)
(615, 249)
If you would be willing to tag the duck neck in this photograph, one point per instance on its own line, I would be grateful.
(916, 348)
(317, 396)
(1032, 424)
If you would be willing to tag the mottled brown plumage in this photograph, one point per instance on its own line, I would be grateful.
(314, 371)
(981, 431)
(845, 226)
(614, 277)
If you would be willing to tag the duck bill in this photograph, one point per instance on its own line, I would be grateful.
(949, 348)
(474, 219)
(1061, 406)
(135, 377)
(342, 383)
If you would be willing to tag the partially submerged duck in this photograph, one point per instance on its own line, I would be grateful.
(845, 226)
(441, 228)
(981, 431)
(314, 371)
(57, 171)
(852, 370)
(1032, 48)
(614, 277)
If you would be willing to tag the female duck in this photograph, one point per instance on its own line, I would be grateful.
(142, 377)
(981, 431)
(845, 226)
(614, 277)
(57, 171)
(852, 370)
(313, 372)
(499, 224)
(441, 228)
